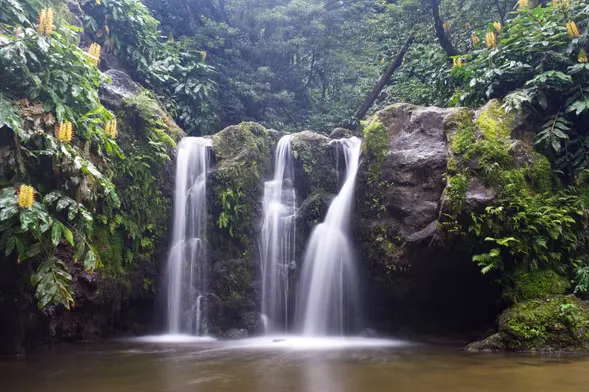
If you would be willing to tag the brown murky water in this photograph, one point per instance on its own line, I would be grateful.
(237, 367)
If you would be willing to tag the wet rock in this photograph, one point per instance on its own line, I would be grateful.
(558, 323)
(479, 195)
(236, 334)
(112, 95)
(340, 133)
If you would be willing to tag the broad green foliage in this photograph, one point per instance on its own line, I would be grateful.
(51, 80)
(538, 68)
(175, 71)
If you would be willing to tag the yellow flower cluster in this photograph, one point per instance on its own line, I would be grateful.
(562, 4)
(458, 62)
(45, 26)
(447, 27)
(94, 52)
(26, 196)
(203, 54)
(111, 128)
(64, 132)
(498, 26)
(491, 40)
(582, 56)
(523, 4)
(475, 40)
(572, 29)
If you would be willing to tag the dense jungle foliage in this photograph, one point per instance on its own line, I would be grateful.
(290, 65)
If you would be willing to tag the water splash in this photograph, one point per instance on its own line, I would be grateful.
(187, 263)
(277, 239)
(326, 301)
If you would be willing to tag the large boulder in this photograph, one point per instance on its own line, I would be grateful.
(121, 87)
(559, 323)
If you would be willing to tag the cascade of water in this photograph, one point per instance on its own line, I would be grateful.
(328, 285)
(277, 239)
(187, 264)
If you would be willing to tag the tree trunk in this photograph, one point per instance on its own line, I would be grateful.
(440, 32)
(500, 11)
(384, 78)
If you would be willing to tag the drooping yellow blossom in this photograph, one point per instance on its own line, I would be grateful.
(458, 62)
(491, 40)
(111, 128)
(45, 26)
(582, 56)
(203, 54)
(562, 4)
(498, 26)
(475, 39)
(64, 131)
(26, 196)
(523, 4)
(572, 29)
(447, 27)
(94, 52)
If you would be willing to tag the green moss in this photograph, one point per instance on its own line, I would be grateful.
(540, 174)
(494, 122)
(527, 285)
(558, 323)
(452, 165)
(456, 190)
(463, 140)
(110, 248)
(376, 143)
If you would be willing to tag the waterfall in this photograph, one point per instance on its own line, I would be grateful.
(277, 239)
(187, 263)
(328, 286)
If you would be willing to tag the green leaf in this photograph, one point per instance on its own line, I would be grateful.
(56, 233)
(67, 234)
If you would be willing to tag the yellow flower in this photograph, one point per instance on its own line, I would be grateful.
(447, 26)
(45, 26)
(203, 54)
(475, 39)
(582, 56)
(458, 62)
(562, 4)
(491, 40)
(94, 53)
(64, 132)
(523, 4)
(111, 128)
(26, 196)
(572, 29)
(497, 26)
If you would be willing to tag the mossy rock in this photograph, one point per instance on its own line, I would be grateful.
(528, 285)
(315, 164)
(559, 323)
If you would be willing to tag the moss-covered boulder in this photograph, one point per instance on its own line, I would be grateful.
(243, 159)
(558, 323)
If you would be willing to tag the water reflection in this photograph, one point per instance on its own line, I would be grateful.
(241, 367)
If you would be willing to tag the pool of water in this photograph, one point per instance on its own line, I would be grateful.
(288, 364)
